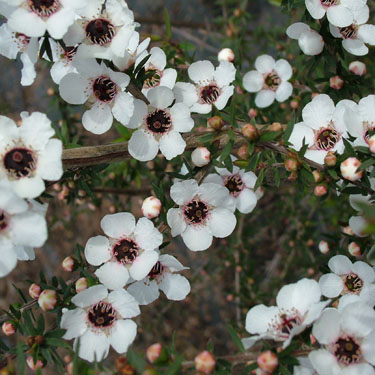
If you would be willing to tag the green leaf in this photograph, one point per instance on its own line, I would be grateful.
(168, 27)
(226, 151)
(366, 163)
(235, 338)
(175, 367)
(57, 342)
(136, 360)
(269, 136)
(20, 359)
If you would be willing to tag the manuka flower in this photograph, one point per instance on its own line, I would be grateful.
(310, 41)
(211, 86)
(28, 154)
(204, 212)
(269, 80)
(104, 89)
(129, 250)
(161, 277)
(100, 321)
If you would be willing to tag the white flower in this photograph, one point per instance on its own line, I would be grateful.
(339, 12)
(159, 126)
(269, 80)
(298, 306)
(104, 89)
(211, 86)
(28, 154)
(129, 250)
(100, 321)
(161, 277)
(22, 227)
(240, 185)
(349, 278)
(34, 17)
(310, 41)
(103, 34)
(304, 368)
(322, 129)
(357, 33)
(204, 212)
(349, 338)
(156, 64)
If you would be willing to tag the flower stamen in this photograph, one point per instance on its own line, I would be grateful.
(195, 211)
(104, 89)
(44, 8)
(347, 350)
(20, 162)
(125, 251)
(102, 315)
(100, 31)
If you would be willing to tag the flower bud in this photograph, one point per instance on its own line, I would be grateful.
(226, 54)
(323, 247)
(250, 131)
(317, 176)
(371, 144)
(34, 291)
(200, 156)
(330, 159)
(205, 362)
(8, 328)
(81, 284)
(349, 168)
(47, 300)
(275, 127)
(34, 365)
(348, 230)
(259, 192)
(267, 361)
(291, 164)
(151, 207)
(354, 249)
(252, 113)
(153, 352)
(320, 190)
(358, 68)
(123, 367)
(294, 104)
(336, 82)
(242, 152)
(215, 122)
(68, 264)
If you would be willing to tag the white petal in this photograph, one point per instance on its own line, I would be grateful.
(118, 225)
(172, 144)
(368, 347)
(184, 191)
(90, 296)
(225, 73)
(74, 88)
(331, 285)
(324, 362)
(222, 222)
(175, 287)
(29, 187)
(171, 262)
(143, 146)
(176, 221)
(158, 59)
(319, 111)
(358, 225)
(146, 235)
(201, 71)
(340, 265)
(144, 293)
(246, 201)
(367, 34)
(253, 81)
(283, 69)
(122, 335)
(8, 258)
(265, 98)
(197, 238)
(327, 328)
(160, 97)
(139, 113)
(259, 318)
(124, 303)
(168, 79)
(74, 321)
(143, 264)
(339, 16)
(358, 368)
(214, 194)
(295, 30)
(284, 91)
(185, 93)
(367, 108)
(355, 47)
(315, 9)
(112, 275)
(301, 132)
(98, 119)
(358, 319)
(314, 312)
(28, 72)
(27, 23)
(49, 162)
(311, 43)
(265, 64)
(58, 23)
(224, 96)
(123, 108)
(249, 179)
(97, 250)
(181, 118)
(364, 271)
(93, 346)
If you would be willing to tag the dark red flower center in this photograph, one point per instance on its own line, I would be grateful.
(70, 52)
(44, 8)
(328, 3)
(125, 251)
(100, 31)
(347, 350)
(327, 138)
(102, 315)
(353, 283)
(349, 32)
(156, 271)
(3, 221)
(209, 94)
(20, 162)
(159, 121)
(153, 79)
(272, 81)
(234, 184)
(196, 211)
(104, 89)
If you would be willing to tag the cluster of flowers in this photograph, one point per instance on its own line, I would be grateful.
(342, 335)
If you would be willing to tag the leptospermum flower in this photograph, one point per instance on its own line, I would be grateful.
(212, 86)
(349, 278)
(298, 306)
(348, 336)
(159, 126)
(161, 277)
(35, 17)
(310, 41)
(12, 43)
(204, 212)
(22, 227)
(269, 81)
(104, 89)
(100, 321)
(339, 12)
(322, 129)
(28, 154)
(129, 249)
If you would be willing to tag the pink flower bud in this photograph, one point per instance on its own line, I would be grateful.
(320, 190)
(323, 247)
(294, 104)
(330, 159)
(242, 152)
(68, 264)
(253, 113)
(250, 131)
(267, 361)
(336, 82)
(153, 352)
(200, 156)
(47, 300)
(275, 127)
(358, 68)
(81, 284)
(317, 176)
(291, 164)
(8, 328)
(354, 249)
(371, 144)
(226, 54)
(349, 168)
(215, 122)
(34, 366)
(151, 207)
(348, 230)
(205, 362)
(34, 291)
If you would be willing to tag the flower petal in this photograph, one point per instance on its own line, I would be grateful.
(201, 71)
(283, 69)
(176, 221)
(146, 235)
(123, 108)
(74, 321)
(222, 222)
(318, 112)
(264, 98)
(265, 64)
(340, 265)
(331, 285)
(113, 275)
(175, 287)
(122, 335)
(259, 317)
(143, 264)
(172, 144)
(143, 146)
(98, 119)
(184, 191)
(92, 345)
(124, 303)
(144, 293)
(90, 296)
(197, 238)
(97, 250)
(284, 91)
(225, 73)
(253, 81)
(327, 328)
(339, 16)
(118, 225)
(160, 97)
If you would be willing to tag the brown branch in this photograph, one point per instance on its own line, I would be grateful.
(125, 191)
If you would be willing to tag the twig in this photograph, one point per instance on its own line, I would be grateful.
(125, 191)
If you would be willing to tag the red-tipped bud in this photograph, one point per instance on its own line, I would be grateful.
(336, 82)
(205, 362)
(320, 190)
(358, 68)
(47, 300)
(371, 144)
(252, 113)
(151, 207)
(267, 361)
(200, 156)
(215, 122)
(153, 352)
(294, 104)
(348, 230)
(250, 131)
(323, 247)
(330, 159)
(275, 127)
(34, 365)
(291, 164)
(354, 249)
(226, 54)
(317, 176)
(68, 264)
(349, 168)
(81, 284)
(242, 152)
(34, 291)
(8, 328)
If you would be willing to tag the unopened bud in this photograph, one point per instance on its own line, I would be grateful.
(47, 300)
(314, 94)
(215, 122)
(358, 68)
(252, 113)
(354, 249)
(294, 104)
(68, 264)
(205, 362)
(250, 131)
(336, 82)
(8, 328)
(293, 176)
(34, 291)
(323, 247)
(34, 365)
(313, 339)
(349, 168)
(267, 361)
(153, 352)
(275, 127)
(151, 207)
(226, 54)
(330, 159)
(242, 152)
(291, 164)
(200, 156)
(50, 91)
(371, 144)
(81, 284)
(320, 190)
(317, 176)
(123, 367)
(348, 230)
